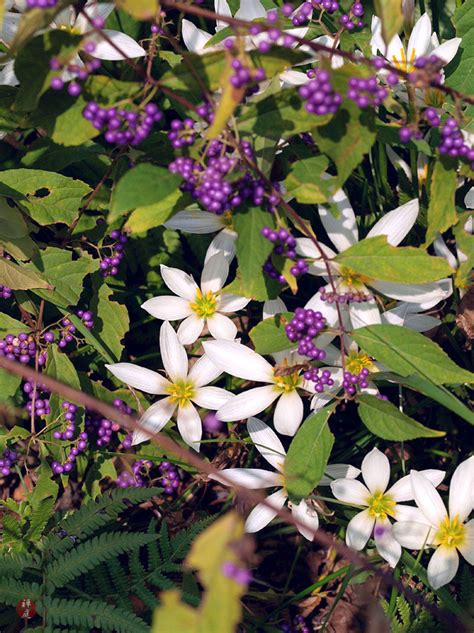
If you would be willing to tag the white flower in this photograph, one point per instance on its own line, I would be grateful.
(409, 315)
(198, 306)
(343, 233)
(182, 390)
(448, 533)
(380, 504)
(201, 222)
(242, 362)
(270, 447)
(469, 199)
(422, 42)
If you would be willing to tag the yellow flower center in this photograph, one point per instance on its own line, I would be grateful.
(381, 505)
(352, 279)
(227, 220)
(402, 63)
(181, 392)
(205, 305)
(451, 533)
(357, 361)
(287, 383)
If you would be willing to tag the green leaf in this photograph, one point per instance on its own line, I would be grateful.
(33, 21)
(252, 252)
(152, 191)
(442, 208)
(269, 335)
(111, 320)
(465, 243)
(49, 198)
(460, 72)
(9, 383)
(140, 9)
(279, 116)
(20, 277)
(305, 183)
(407, 352)
(50, 156)
(308, 454)
(347, 138)
(375, 258)
(10, 120)
(64, 273)
(9, 325)
(32, 65)
(391, 14)
(385, 420)
(60, 367)
(174, 615)
(14, 232)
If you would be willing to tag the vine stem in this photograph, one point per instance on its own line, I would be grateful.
(131, 423)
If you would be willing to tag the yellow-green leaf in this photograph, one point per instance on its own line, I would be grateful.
(391, 14)
(139, 9)
(19, 277)
(442, 208)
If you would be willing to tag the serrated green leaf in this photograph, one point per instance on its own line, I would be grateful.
(269, 335)
(20, 277)
(375, 258)
(308, 454)
(407, 352)
(442, 208)
(385, 420)
(460, 72)
(47, 197)
(111, 320)
(305, 183)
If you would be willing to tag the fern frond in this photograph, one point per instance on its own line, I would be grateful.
(40, 517)
(466, 590)
(13, 564)
(164, 542)
(153, 554)
(146, 596)
(100, 615)
(118, 576)
(92, 552)
(11, 528)
(404, 610)
(136, 568)
(182, 541)
(12, 591)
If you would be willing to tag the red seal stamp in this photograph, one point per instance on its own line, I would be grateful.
(26, 609)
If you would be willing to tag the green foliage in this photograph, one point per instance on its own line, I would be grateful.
(442, 209)
(269, 335)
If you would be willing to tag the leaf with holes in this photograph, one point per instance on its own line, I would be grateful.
(49, 198)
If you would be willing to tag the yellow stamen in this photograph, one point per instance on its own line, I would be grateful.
(205, 305)
(357, 361)
(451, 533)
(181, 392)
(381, 506)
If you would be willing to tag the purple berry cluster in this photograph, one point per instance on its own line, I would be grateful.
(134, 479)
(21, 347)
(109, 264)
(453, 143)
(66, 332)
(41, 399)
(5, 292)
(6, 461)
(427, 71)
(303, 327)
(284, 246)
(182, 133)
(432, 117)
(319, 95)
(366, 92)
(79, 72)
(41, 4)
(302, 14)
(330, 6)
(241, 575)
(87, 318)
(321, 378)
(70, 411)
(245, 77)
(68, 464)
(352, 19)
(297, 626)
(351, 381)
(408, 132)
(101, 429)
(351, 296)
(169, 477)
(121, 126)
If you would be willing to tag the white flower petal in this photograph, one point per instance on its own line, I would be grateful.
(203, 371)
(9, 27)
(447, 50)
(190, 329)
(420, 38)
(288, 413)
(239, 360)
(154, 419)
(195, 39)
(376, 471)
(195, 220)
(190, 426)
(350, 491)
(427, 295)
(410, 513)
(231, 303)
(139, 377)
(460, 490)
(221, 8)
(397, 223)
(329, 310)
(223, 242)
(293, 77)
(341, 231)
(272, 307)
(388, 548)
(364, 313)
(308, 517)
(250, 10)
(441, 249)
(359, 530)
(124, 47)
(469, 199)
(251, 478)
(173, 353)
(338, 471)
(267, 442)
(247, 404)
(179, 282)
(467, 548)
(167, 308)
(398, 162)
(212, 398)
(443, 566)
(7, 74)
(402, 489)
(261, 515)
(214, 273)
(221, 327)
(427, 498)
(412, 534)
